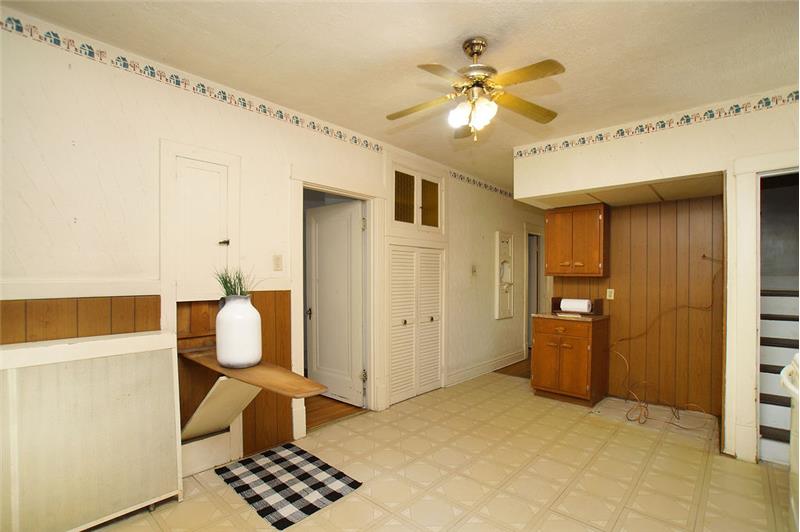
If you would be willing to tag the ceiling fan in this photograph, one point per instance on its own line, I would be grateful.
(483, 90)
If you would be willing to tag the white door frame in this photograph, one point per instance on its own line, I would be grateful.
(743, 298)
(375, 336)
(545, 283)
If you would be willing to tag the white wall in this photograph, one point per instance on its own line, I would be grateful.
(476, 342)
(742, 146)
(81, 162)
(80, 190)
(701, 147)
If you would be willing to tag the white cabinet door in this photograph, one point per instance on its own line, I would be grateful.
(415, 321)
(429, 341)
(402, 323)
(205, 203)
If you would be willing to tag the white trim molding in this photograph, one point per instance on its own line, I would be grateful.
(742, 194)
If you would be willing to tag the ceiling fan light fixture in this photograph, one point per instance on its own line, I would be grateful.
(459, 116)
(483, 111)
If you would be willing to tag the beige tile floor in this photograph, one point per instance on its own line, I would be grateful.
(489, 455)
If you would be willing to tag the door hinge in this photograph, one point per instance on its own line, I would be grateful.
(363, 224)
(363, 375)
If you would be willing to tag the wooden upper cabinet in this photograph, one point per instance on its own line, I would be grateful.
(558, 243)
(576, 241)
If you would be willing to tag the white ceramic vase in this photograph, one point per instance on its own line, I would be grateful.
(238, 333)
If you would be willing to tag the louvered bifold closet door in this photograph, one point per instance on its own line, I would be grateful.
(429, 320)
(402, 297)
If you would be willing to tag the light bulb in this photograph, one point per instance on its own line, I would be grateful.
(459, 116)
(483, 113)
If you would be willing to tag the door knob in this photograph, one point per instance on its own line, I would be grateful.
(431, 318)
(405, 322)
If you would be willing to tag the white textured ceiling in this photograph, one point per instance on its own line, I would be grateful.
(351, 64)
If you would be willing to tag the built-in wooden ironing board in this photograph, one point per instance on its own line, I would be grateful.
(236, 388)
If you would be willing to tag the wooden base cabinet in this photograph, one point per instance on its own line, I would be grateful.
(570, 356)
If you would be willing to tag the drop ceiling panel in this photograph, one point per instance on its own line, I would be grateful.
(632, 195)
(694, 187)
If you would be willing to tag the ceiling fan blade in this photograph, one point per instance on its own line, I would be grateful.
(542, 69)
(525, 108)
(443, 72)
(462, 132)
(420, 107)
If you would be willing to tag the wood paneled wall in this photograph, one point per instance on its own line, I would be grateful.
(267, 421)
(33, 320)
(667, 271)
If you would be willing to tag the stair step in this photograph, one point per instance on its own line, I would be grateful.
(770, 368)
(780, 293)
(779, 317)
(776, 434)
(779, 417)
(780, 356)
(773, 451)
(779, 329)
(775, 400)
(780, 305)
(771, 383)
(779, 342)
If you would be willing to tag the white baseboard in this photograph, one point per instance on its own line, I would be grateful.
(484, 367)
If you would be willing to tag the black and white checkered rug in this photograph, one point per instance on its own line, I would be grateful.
(286, 484)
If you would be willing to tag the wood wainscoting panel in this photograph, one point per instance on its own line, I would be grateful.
(34, 320)
(667, 317)
(94, 316)
(267, 421)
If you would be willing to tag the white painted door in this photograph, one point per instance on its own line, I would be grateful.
(402, 323)
(334, 266)
(415, 321)
(429, 336)
(207, 238)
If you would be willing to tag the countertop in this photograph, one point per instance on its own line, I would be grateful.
(585, 317)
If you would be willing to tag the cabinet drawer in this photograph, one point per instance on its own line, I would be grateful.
(565, 327)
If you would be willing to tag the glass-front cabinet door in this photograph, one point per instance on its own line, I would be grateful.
(417, 203)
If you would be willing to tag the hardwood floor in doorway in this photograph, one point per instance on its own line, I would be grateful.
(518, 369)
(321, 410)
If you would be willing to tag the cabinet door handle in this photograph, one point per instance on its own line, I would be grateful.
(565, 263)
(431, 318)
(226, 242)
(560, 329)
(405, 322)
(551, 344)
(579, 264)
(566, 346)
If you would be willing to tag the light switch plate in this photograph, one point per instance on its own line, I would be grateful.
(610, 294)
(277, 263)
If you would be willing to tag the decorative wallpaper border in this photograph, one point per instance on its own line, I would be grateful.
(675, 120)
(481, 184)
(179, 81)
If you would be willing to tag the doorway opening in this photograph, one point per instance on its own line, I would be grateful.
(779, 302)
(334, 299)
(532, 284)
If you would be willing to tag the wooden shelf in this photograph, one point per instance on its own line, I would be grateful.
(264, 375)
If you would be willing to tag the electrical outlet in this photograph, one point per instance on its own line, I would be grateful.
(277, 263)
(610, 294)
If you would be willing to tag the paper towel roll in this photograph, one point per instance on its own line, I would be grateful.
(576, 305)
